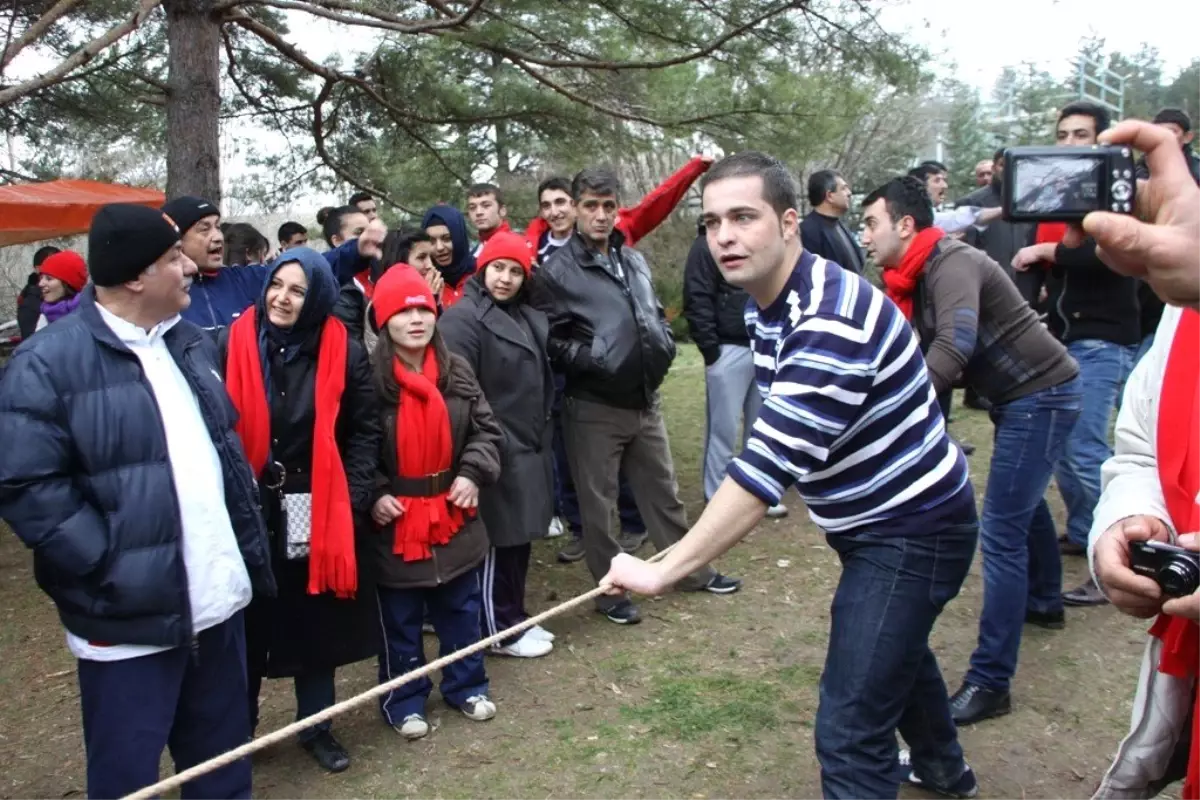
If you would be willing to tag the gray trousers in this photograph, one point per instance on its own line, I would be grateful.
(730, 397)
(601, 441)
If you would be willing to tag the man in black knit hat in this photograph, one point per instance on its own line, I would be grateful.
(124, 476)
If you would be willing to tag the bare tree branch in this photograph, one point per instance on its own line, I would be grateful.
(34, 31)
(383, 20)
(80, 56)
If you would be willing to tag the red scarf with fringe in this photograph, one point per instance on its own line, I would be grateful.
(331, 560)
(900, 283)
(424, 446)
(1178, 452)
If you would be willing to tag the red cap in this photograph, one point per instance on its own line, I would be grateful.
(506, 244)
(69, 267)
(399, 288)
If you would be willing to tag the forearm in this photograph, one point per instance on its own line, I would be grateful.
(729, 516)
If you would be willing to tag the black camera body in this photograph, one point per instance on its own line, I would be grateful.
(1177, 571)
(1065, 184)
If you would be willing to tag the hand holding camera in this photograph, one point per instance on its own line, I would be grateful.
(1134, 555)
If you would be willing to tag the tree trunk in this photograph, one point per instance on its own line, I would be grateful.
(194, 100)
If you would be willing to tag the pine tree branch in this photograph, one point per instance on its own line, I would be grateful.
(36, 30)
(81, 56)
(329, 9)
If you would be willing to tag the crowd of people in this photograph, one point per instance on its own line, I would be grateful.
(233, 465)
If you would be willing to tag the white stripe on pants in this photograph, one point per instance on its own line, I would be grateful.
(730, 397)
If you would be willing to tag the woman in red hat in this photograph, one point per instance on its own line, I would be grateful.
(61, 278)
(503, 337)
(431, 541)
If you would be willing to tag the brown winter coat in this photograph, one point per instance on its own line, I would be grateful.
(477, 439)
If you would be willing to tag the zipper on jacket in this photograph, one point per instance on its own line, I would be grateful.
(1061, 306)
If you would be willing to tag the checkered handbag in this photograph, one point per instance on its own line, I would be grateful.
(297, 514)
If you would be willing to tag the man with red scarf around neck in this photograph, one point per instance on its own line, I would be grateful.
(974, 327)
(1151, 473)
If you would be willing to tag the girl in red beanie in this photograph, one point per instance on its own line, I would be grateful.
(503, 337)
(61, 278)
(440, 445)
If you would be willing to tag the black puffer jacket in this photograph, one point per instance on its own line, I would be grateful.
(607, 334)
(86, 480)
(714, 308)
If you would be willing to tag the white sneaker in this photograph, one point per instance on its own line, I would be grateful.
(777, 511)
(538, 632)
(526, 647)
(414, 726)
(479, 707)
(556, 528)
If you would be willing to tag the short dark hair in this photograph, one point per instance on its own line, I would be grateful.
(597, 180)
(1086, 108)
(1175, 116)
(937, 165)
(779, 189)
(332, 225)
(43, 253)
(557, 183)
(482, 189)
(998, 155)
(289, 229)
(820, 184)
(358, 197)
(925, 170)
(245, 245)
(905, 197)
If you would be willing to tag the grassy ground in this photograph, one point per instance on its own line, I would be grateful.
(709, 697)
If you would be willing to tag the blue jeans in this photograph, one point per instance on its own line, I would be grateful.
(880, 675)
(566, 501)
(1103, 368)
(1022, 568)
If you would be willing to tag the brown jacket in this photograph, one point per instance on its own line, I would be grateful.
(477, 438)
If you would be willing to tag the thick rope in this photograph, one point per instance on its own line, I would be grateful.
(296, 727)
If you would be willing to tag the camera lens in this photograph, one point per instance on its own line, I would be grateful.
(1179, 577)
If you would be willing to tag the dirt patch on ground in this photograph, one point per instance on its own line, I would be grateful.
(709, 697)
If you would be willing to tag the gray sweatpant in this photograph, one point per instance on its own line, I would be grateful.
(730, 397)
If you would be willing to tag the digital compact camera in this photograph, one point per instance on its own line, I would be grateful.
(1064, 184)
(1176, 570)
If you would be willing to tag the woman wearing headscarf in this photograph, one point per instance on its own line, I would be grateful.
(447, 229)
(61, 277)
(309, 424)
(439, 449)
(503, 337)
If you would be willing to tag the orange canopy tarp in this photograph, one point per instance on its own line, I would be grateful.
(31, 212)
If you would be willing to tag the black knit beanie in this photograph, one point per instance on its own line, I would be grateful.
(188, 210)
(125, 239)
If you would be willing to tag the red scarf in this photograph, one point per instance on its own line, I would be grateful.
(1179, 473)
(503, 227)
(1049, 233)
(901, 282)
(331, 562)
(364, 282)
(452, 294)
(424, 446)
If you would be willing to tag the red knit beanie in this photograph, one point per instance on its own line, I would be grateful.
(69, 267)
(399, 288)
(506, 244)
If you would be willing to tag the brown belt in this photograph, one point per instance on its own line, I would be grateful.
(425, 486)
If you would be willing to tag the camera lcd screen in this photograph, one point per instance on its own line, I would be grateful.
(1049, 184)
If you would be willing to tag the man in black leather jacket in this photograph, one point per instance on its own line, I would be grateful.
(609, 336)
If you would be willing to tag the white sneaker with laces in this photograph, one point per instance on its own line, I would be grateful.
(538, 632)
(526, 647)
(414, 726)
(479, 707)
(556, 528)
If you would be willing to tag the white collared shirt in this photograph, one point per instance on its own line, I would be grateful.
(218, 583)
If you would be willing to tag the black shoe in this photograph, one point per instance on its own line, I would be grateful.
(971, 704)
(573, 551)
(631, 542)
(623, 613)
(1050, 620)
(965, 787)
(720, 584)
(328, 752)
(1085, 594)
